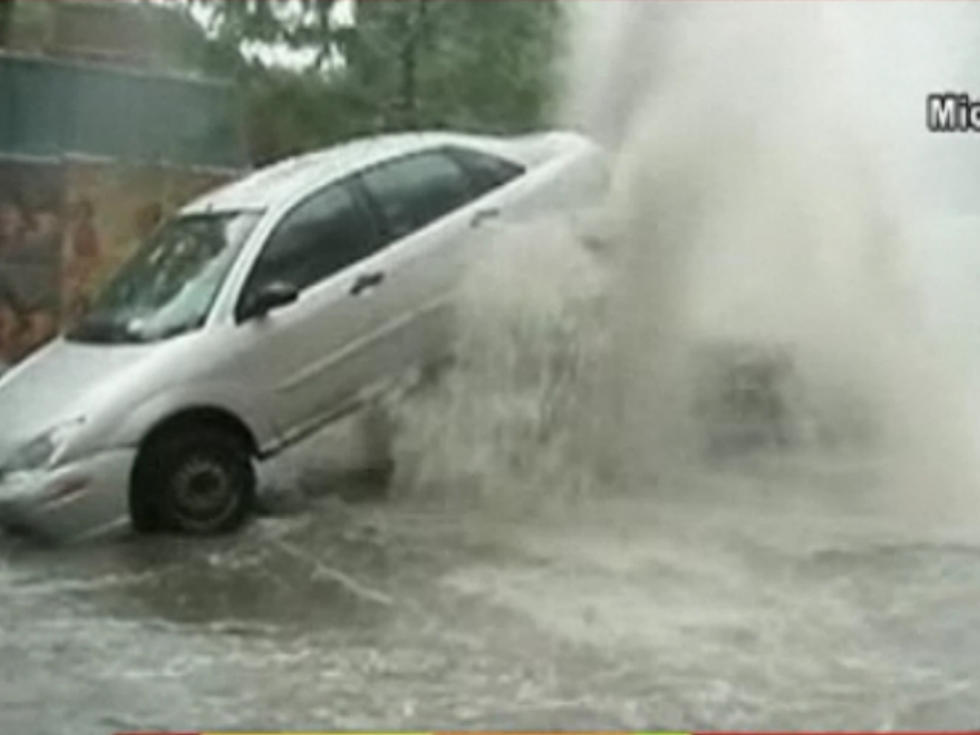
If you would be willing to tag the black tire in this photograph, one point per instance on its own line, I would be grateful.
(198, 481)
(142, 511)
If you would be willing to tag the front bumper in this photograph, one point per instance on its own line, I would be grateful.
(78, 500)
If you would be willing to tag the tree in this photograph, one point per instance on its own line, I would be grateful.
(473, 65)
(404, 64)
(6, 14)
(286, 23)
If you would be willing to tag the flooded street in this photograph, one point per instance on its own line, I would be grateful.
(794, 601)
(558, 550)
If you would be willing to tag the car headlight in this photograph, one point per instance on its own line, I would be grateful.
(41, 451)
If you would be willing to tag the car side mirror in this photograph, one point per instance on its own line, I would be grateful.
(268, 298)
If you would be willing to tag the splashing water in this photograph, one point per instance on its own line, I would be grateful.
(768, 190)
(504, 420)
(773, 186)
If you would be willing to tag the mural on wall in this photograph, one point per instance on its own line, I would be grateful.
(32, 258)
(64, 229)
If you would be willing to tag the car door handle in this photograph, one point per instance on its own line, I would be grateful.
(367, 281)
(483, 215)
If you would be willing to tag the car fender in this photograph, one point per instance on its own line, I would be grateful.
(228, 398)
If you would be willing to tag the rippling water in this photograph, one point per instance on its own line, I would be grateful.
(771, 609)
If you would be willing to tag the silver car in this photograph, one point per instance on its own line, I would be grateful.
(258, 314)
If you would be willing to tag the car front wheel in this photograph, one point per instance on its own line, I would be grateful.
(200, 481)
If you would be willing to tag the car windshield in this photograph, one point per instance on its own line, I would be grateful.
(168, 286)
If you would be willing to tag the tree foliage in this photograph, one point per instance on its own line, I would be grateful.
(404, 64)
(476, 65)
(6, 14)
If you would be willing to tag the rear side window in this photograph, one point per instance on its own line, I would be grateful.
(413, 191)
(323, 234)
(488, 172)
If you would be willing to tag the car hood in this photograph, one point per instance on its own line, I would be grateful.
(59, 383)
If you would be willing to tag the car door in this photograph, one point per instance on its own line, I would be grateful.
(429, 211)
(308, 359)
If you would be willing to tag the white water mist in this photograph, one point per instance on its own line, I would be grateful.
(773, 183)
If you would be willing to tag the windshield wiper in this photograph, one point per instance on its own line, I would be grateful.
(103, 331)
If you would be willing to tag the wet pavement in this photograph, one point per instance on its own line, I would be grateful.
(785, 606)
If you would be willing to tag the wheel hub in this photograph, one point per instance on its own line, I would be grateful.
(203, 490)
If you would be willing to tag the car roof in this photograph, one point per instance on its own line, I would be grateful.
(282, 181)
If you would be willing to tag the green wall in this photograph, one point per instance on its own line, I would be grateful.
(52, 108)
